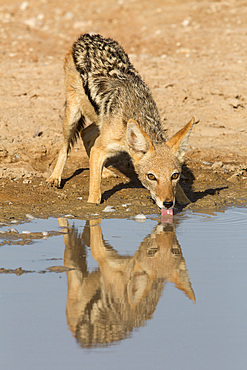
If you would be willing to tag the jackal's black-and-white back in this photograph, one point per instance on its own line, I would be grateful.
(112, 84)
(94, 54)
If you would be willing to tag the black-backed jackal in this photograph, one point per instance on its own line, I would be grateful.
(103, 86)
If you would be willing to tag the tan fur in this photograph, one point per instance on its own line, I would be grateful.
(124, 118)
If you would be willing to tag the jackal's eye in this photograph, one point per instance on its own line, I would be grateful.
(152, 251)
(150, 176)
(175, 176)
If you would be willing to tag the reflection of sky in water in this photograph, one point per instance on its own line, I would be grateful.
(209, 334)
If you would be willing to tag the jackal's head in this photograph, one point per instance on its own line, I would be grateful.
(158, 165)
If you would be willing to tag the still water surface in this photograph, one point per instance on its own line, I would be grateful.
(133, 296)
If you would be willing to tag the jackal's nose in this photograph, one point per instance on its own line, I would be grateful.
(168, 204)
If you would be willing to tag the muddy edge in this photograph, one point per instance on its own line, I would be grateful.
(211, 186)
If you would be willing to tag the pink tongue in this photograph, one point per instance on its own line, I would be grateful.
(167, 215)
(166, 212)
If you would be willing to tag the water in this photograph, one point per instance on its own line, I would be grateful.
(144, 296)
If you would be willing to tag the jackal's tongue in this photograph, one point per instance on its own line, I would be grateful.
(167, 215)
(166, 212)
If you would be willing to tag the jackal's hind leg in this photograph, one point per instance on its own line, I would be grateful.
(73, 123)
(181, 198)
(55, 178)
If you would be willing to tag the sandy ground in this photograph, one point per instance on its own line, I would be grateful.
(192, 54)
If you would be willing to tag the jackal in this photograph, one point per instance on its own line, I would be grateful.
(103, 87)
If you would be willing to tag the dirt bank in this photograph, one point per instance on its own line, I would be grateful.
(192, 55)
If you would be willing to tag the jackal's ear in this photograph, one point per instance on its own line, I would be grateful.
(138, 140)
(179, 142)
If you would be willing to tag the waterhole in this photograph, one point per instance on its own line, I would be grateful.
(122, 294)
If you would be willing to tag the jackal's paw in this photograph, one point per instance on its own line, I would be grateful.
(106, 173)
(54, 181)
(96, 199)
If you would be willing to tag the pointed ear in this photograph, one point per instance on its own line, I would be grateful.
(137, 139)
(179, 142)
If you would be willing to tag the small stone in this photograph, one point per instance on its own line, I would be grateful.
(186, 22)
(24, 6)
(31, 22)
(236, 103)
(229, 168)
(30, 217)
(109, 209)
(12, 230)
(140, 217)
(217, 165)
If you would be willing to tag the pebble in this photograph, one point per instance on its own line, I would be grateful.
(109, 209)
(229, 168)
(30, 217)
(140, 217)
(13, 231)
(24, 6)
(217, 165)
(236, 103)
(186, 22)
(32, 22)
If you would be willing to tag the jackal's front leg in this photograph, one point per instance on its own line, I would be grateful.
(89, 135)
(96, 161)
(71, 121)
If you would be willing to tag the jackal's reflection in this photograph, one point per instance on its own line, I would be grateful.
(105, 305)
